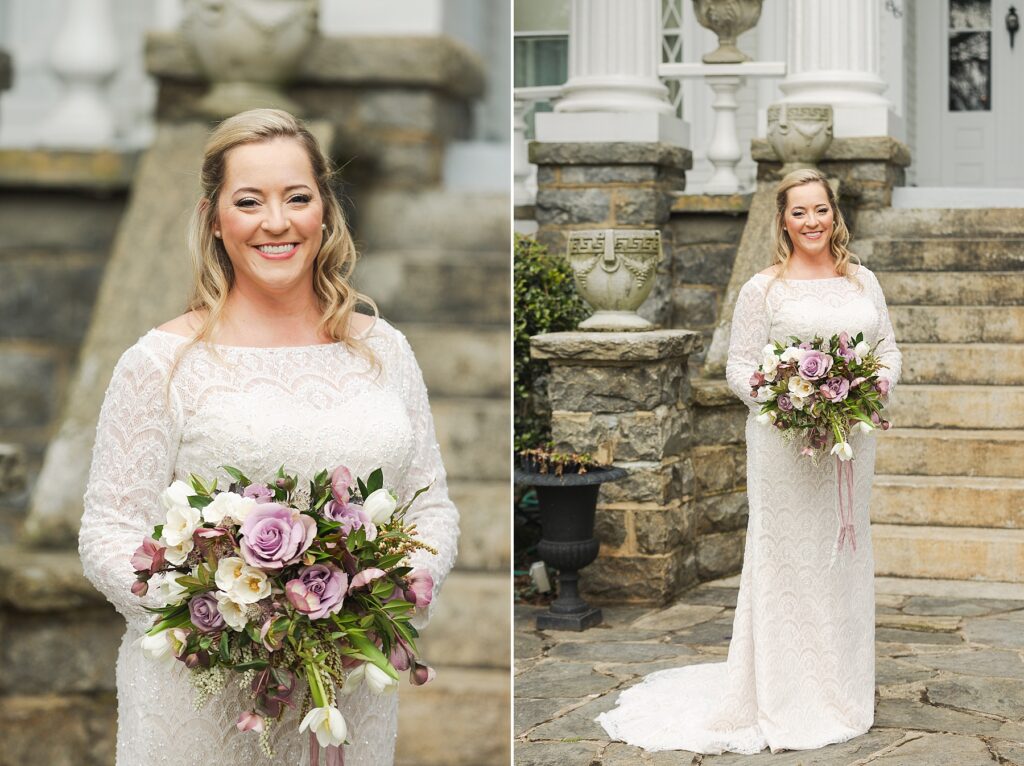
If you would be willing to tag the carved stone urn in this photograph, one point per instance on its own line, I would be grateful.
(614, 271)
(800, 134)
(248, 49)
(728, 19)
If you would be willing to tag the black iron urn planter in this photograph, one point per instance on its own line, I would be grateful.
(567, 506)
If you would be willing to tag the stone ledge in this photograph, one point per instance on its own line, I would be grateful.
(713, 393)
(652, 346)
(54, 170)
(439, 63)
(43, 581)
(734, 204)
(610, 153)
(871, 148)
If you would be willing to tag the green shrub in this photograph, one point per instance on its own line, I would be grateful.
(545, 301)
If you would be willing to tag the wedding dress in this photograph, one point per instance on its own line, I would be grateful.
(800, 672)
(309, 408)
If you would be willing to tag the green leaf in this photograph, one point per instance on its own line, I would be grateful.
(375, 482)
(199, 501)
(252, 665)
(158, 530)
(362, 488)
(237, 475)
(374, 654)
(224, 647)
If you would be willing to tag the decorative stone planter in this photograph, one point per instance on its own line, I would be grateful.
(800, 134)
(614, 271)
(248, 49)
(728, 20)
(567, 507)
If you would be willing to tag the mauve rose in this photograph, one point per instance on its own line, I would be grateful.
(835, 389)
(815, 365)
(329, 584)
(785, 403)
(259, 492)
(341, 480)
(205, 614)
(274, 536)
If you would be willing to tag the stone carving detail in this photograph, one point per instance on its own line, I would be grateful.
(728, 19)
(614, 271)
(800, 134)
(248, 49)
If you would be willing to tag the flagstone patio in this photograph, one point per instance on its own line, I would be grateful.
(950, 675)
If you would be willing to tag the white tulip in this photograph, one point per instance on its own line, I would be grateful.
(794, 354)
(228, 504)
(762, 394)
(229, 569)
(181, 522)
(328, 725)
(176, 554)
(379, 681)
(764, 419)
(176, 495)
(861, 350)
(167, 588)
(769, 349)
(863, 427)
(158, 646)
(844, 450)
(380, 505)
(232, 612)
(352, 679)
(800, 387)
(251, 586)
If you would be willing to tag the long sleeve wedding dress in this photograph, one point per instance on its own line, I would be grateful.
(309, 408)
(800, 672)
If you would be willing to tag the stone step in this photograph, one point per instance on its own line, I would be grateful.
(972, 407)
(475, 436)
(462, 360)
(400, 220)
(484, 540)
(958, 324)
(473, 605)
(1000, 364)
(954, 452)
(948, 501)
(956, 553)
(942, 254)
(438, 286)
(953, 288)
(987, 223)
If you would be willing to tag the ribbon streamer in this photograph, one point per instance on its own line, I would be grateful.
(335, 756)
(846, 530)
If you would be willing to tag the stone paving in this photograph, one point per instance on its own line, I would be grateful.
(949, 669)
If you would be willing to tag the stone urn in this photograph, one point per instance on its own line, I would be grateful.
(800, 134)
(728, 19)
(248, 49)
(614, 271)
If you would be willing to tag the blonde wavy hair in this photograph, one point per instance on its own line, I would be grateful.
(782, 245)
(212, 273)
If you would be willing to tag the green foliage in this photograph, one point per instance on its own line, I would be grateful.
(545, 301)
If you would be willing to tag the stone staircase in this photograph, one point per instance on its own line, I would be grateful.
(447, 289)
(948, 497)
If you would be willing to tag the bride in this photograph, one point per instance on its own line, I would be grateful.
(270, 366)
(800, 672)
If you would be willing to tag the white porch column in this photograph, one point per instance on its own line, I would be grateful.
(613, 92)
(834, 58)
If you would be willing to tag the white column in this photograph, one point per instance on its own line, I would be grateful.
(613, 92)
(85, 58)
(834, 58)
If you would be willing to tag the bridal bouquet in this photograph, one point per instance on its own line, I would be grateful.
(819, 391)
(294, 593)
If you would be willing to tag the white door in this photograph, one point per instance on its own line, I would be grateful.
(970, 95)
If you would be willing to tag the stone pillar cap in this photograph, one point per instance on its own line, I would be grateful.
(651, 346)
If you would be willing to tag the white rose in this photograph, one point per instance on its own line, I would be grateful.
(844, 450)
(167, 588)
(798, 401)
(800, 387)
(232, 612)
(229, 569)
(763, 394)
(380, 505)
(176, 495)
(228, 504)
(794, 354)
(181, 522)
(177, 554)
(251, 586)
(770, 365)
(769, 349)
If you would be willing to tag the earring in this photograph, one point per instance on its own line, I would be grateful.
(216, 233)
(323, 226)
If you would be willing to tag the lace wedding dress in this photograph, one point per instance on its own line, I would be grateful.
(308, 407)
(800, 672)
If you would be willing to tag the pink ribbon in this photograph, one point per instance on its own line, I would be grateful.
(335, 756)
(846, 530)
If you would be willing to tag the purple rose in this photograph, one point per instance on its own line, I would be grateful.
(274, 536)
(205, 614)
(785, 403)
(341, 480)
(351, 517)
(815, 365)
(324, 587)
(835, 389)
(259, 492)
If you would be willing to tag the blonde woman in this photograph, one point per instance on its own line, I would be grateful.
(800, 673)
(269, 366)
